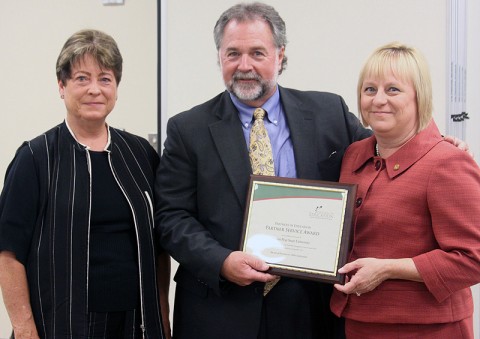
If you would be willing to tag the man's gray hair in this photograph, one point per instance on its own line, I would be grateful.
(253, 11)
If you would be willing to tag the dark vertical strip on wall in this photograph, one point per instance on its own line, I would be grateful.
(159, 76)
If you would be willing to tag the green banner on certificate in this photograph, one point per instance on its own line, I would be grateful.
(275, 192)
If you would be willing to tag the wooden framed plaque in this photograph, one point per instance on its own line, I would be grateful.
(300, 228)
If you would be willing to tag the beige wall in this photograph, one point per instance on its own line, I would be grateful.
(328, 41)
(32, 34)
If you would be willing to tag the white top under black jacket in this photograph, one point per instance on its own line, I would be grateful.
(45, 220)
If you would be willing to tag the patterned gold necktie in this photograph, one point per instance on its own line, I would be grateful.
(261, 155)
(261, 159)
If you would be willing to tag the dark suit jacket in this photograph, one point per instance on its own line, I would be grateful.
(202, 186)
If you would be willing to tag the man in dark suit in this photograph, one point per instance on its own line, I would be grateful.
(203, 180)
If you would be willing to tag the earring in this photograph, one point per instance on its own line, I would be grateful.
(62, 96)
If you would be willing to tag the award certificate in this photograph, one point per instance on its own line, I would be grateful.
(300, 228)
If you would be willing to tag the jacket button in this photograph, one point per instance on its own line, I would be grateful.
(358, 202)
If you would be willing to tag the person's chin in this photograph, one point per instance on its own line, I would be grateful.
(249, 94)
(95, 116)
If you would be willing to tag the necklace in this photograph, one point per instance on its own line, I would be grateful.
(377, 152)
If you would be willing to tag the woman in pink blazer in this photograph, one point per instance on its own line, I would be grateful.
(416, 243)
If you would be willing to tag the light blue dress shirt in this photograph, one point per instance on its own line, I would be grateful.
(278, 132)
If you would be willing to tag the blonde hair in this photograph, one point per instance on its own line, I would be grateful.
(407, 64)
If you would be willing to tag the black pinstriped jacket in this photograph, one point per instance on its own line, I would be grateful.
(45, 221)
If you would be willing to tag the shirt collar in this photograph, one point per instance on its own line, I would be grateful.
(271, 106)
(407, 155)
(85, 146)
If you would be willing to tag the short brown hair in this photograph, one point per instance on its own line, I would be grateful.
(101, 46)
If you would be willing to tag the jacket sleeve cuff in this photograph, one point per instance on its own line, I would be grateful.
(431, 277)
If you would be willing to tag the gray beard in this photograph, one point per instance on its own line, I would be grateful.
(250, 92)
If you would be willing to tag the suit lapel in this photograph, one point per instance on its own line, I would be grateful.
(302, 131)
(231, 146)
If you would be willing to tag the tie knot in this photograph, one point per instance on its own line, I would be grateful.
(259, 113)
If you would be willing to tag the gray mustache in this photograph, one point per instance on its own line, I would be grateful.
(246, 76)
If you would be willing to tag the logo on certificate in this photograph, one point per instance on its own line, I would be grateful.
(320, 213)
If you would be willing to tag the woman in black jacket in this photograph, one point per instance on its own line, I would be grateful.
(77, 253)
